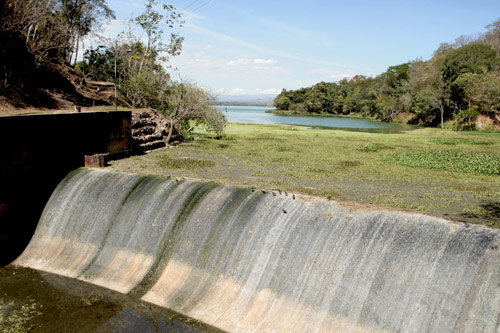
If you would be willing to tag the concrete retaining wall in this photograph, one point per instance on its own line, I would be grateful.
(37, 152)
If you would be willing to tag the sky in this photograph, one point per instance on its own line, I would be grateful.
(261, 47)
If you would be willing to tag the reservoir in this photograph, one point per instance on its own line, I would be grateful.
(258, 115)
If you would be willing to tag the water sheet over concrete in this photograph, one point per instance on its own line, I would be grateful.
(245, 260)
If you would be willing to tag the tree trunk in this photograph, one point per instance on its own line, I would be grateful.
(170, 130)
(76, 50)
(442, 115)
(145, 55)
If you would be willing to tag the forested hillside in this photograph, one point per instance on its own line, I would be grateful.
(40, 45)
(39, 40)
(458, 84)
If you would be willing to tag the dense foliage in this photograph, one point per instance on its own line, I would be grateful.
(138, 69)
(461, 81)
(52, 29)
(44, 32)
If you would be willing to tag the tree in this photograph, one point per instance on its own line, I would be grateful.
(80, 17)
(463, 75)
(426, 104)
(467, 88)
(472, 58)
(150, 21)
(52, 28)
(480, 92)
(492, 37)
(282, 102)
(97, 65)
(183, 102)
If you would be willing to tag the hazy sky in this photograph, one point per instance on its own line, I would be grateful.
(260, 47)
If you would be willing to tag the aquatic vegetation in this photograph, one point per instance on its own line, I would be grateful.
(475, 163)
(14, 319)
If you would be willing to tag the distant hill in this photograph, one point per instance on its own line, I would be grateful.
(246, 100)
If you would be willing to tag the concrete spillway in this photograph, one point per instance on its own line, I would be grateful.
(246, 260)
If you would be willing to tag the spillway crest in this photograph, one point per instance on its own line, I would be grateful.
(246, 260)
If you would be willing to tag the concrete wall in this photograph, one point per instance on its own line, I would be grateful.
(247, 261)
(37, 152)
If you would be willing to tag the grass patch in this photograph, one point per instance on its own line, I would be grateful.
(373, 148)
(348, 164)
(278, 182)
(166, 162)
(454, 142)
(261, 174)
(321, 171)
(227, 138)
(284, 149)
(475, 163)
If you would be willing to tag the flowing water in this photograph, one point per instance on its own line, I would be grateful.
(258, 115)
(245, 260)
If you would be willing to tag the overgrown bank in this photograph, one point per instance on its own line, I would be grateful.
(419, 171)
(459, 84)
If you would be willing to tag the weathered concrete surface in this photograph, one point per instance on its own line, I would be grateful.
(37, 153)
(252, 261)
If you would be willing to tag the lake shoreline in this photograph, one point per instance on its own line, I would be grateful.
(354, 122)
(308, 114)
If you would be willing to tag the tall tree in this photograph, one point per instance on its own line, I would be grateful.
(80, 18)
(151, 21)
(53, 28)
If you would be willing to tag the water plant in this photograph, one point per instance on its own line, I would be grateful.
(475, 163)
(15, 319)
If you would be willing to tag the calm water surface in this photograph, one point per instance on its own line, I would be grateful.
(258, 115)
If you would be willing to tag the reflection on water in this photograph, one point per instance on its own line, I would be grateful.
(258, 115)
(44, 302)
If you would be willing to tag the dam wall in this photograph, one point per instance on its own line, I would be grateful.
(37, 153)
(245, 260)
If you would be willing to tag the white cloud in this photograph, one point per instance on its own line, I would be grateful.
(333, 74)
(236, 91)
(245, 61)
(197, 62)
(253, 92)
(270, 91)
(224, 38)
(264, 61)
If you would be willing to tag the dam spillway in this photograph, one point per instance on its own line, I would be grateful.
(245, 260)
